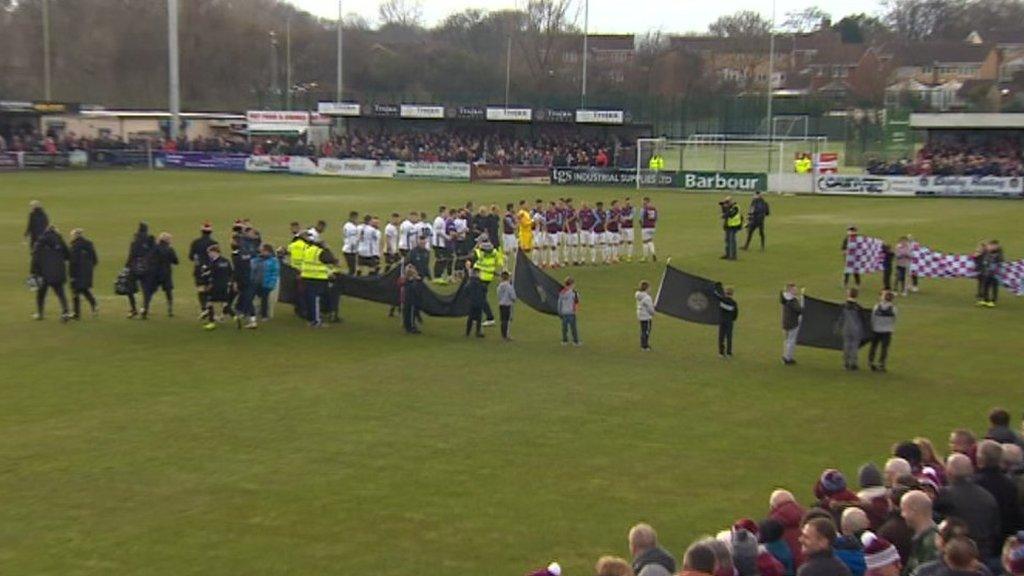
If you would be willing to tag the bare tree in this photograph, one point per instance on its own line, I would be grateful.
(807, 20)
(408, 13)
(742, 24)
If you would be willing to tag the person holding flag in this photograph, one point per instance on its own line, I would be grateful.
(728, 311)
(792, 310)
(852, 329)
(487, 261)
(645, 314)
(883, 321)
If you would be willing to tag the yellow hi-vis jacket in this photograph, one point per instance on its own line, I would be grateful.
(312, 267)
(295, 252)
(488, 263)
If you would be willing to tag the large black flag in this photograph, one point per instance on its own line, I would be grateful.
(287, 284)
(687, 297)
(534, 287)
(382, 289)
(821, 325)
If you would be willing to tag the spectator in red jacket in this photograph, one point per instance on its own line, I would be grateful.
(784, 509)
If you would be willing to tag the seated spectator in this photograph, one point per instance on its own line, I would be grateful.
(612, 566)
(848, 546)
(648, 558)
(816, 539)
(1000, 430)
(699, 560)
(990, 476)
(784, 509)
(975, 505)
(771, 537)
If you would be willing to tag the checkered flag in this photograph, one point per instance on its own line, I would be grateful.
(863, 255)
(928, 263)
(1011, 275)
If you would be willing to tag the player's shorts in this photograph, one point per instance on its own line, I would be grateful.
(600, 238)
(627, 235)
(554, 239)
(586, 238)
(509, 242)
(647, 234)
(613, 237)
(572, 238)
(538, 239)
(369, 261)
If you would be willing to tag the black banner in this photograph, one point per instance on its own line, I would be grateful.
(118, 158)
(592, 176)
(687, 297)
(821, 325)
(534, 287)
(45, 160)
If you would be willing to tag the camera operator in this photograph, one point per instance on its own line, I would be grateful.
(732, 222)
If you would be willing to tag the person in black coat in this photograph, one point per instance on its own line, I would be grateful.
(728, 311)
(38, 223)
(49, 263)
(216, 280)
(412, 293)
(198, 256)
(162, 258)
(139, 263)
(83, 262)
(241, 261)
(477, 292)
(756, 215)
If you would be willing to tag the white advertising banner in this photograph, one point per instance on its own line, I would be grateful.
(339, 108)
(421, 112)
(600, 116)
(435, 170)
(290, 117)
(510, 114)
(356, 168)
(865, 184)
(281, 164)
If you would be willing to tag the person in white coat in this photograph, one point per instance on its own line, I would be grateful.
(645, 314)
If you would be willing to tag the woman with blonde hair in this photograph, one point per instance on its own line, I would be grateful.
(930, 457)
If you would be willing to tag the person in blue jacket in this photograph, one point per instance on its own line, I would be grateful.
(266, 270)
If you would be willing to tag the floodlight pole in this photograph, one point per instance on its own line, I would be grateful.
(174, 80)
(288, 64)
(771, 80)
(47, 94)
(586, 30)
(338, 86)
(275, 91)
(508, 70)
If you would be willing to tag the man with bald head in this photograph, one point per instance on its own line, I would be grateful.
(916, 509)
(894, 468)
(648, 558)
(972, 503)
(848, 547)
(990, 476)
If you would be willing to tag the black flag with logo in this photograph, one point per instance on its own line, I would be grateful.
(821, 325)
(687, 297)
(534, 287)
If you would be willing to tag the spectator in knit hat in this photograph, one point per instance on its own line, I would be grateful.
(1013, 554)
(873, 494)
(612, 566)
(648, 558)
(784, 509)
(990, 476)
(894, 468)
(816, 539)
(1000, 431)
(743, 545)
(930, 483)
(553, 569)
(770, 535)
(916, 509)
(832, 493)
(975, 505)
(895, 528)
(880, 556)
(699, 560)
(847, 546)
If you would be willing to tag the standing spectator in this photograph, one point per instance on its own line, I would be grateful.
(648, 558)
(266, 269)
(848, 546)
(728, 312)
(904, 258)
(963, 441)
(964, 499)
(990, 476)
(756, 215)
(916, 509)
(163, 257)
(49, 263)
(699, 560)
(83, 260)
(816, 539)
(895, 528)
(568, 302)
(930, 458)
(784, 509)
(645, 314)
(477, 294)
(1000, 431)
(852, 329)
(38, 223)
(947, 530)
(411, 293)
(883, 322)
(506, 299)
(770, 534)
(612, 566)
(887, 259)
(873, 494)
(139, 264)
(792, 309)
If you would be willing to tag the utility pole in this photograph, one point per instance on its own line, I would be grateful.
(508, 70)
(338, 88)
(173, 81)
(47, 94)
(771, 78)
(586, 52)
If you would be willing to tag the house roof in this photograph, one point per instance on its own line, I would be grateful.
(839, 55)
(928, 53)
(720, 44)
(603, 42)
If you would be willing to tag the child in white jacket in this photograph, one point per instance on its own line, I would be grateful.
(645, 314)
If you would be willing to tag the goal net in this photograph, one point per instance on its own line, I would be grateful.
(746, 153)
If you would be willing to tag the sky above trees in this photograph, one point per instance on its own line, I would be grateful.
(609, 16)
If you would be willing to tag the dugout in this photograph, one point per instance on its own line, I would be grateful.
(972, 129)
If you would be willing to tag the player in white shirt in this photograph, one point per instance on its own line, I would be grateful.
(407, 233)
(442, 248)
(424, 230)
(350, 241)
(369, 246)
(539, 253)
(391, 255)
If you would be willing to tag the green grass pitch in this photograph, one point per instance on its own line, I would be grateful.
(131, 447)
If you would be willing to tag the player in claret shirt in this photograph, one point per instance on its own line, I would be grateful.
(553, 221)
(508, 233)
(626, 224)
(648, 222)
(614, 237)
(588, 220)
(539, 234)
(600, 234)
(571, 234)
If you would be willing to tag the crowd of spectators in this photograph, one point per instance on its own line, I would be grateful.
(447, 146)
(473, 147)
(919, 515)
(959, 156)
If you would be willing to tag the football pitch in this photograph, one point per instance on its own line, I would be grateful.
(130, 447)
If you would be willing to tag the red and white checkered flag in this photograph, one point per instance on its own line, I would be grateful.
(928, 263)
(863, 255)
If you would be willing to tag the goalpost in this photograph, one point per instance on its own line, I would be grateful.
(747, 153)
